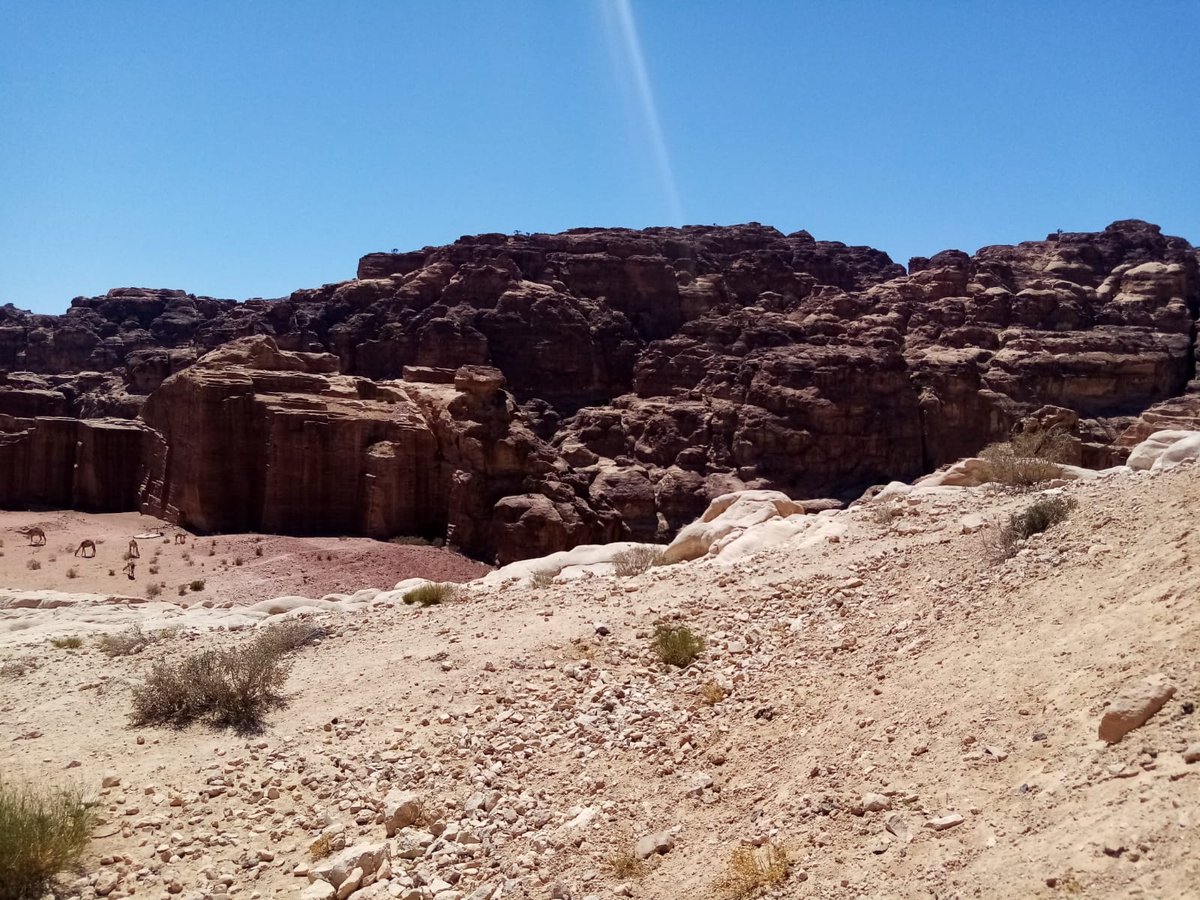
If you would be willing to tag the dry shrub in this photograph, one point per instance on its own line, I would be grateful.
(233, 687)
(676, 645)
(124, 643)
(320, 848)
(72, 573)
(410, 540)
(542, 579)
(33, 565)
(70, 642)
(1030, 458)
(42, 832)
(292, 634)
(637, 560)
(18, 668)
(885, 513)
(153, 590)
(431, 594)
(625, 865)
(753, 871)
(197, 584)
(1002, 541)
(712, 693)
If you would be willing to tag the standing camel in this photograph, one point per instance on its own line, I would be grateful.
(84, 547)
(128, 570)
(37, 537)
(133, 549)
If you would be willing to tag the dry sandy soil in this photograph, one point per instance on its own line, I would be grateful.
(235, 568)
(899, 660)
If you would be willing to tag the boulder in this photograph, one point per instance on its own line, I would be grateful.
(1133, 706)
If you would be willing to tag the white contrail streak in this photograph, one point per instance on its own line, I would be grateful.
(632, 46)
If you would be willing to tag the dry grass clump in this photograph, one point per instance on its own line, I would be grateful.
(753, 871)
(676, 645)
(233, 688)
(18, 668)
(625, 865)
(431, 594)
(637, 560)
(33, 565)
(1030, 458)
(284, 637)
(124, 643)
(69, 642)
(712, 693)
(42, 832)
(885, 513)
(153, 590)
(197, 584)
(541, 579)
(1003, 541)
(320, 848)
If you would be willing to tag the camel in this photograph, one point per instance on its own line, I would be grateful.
(37, 537)
(84, 547)
(128, 570)
(133, 549)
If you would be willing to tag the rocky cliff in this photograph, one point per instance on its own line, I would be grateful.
(630, 377)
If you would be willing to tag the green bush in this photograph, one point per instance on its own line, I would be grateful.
(42, 832)
(676, 645)
(1039, 516)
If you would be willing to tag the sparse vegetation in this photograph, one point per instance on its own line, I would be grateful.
(431, 594)
(72, 573)
(197, 584)
(33, 565)
(239, 561)
(42, 833)
(67, 642)
(1003, 540)
(410, 540)
(542, 579)
(676, 645)
(886, 513)
(153, 590)
(17, 668)
(233, 687)
(625, 865)
(1030, 458)
(124, 643)
(712, 693)
(284, 637)
(753, 871)
(320, 848)
(258, 551)
(637, 560)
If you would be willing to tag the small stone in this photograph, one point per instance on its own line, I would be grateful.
(1192, 753)
(875, 802)
(110, 781)
(1133, 707)
(944, 822)
(602, 629)
(661, 843)
(897, 826)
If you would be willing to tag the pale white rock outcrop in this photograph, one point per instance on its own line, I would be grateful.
(726, 516)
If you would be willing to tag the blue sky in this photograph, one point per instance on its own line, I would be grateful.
(248, 149)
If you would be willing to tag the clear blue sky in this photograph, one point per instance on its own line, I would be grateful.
(244, 149)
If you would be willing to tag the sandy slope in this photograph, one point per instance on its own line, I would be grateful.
(898, 660)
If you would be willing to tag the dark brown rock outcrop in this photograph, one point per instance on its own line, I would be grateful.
(642, 373)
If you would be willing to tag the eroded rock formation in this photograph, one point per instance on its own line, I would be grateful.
(644, 373)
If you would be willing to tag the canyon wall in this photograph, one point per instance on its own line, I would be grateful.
(523, 393)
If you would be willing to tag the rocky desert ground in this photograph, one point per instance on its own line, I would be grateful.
(880, 697)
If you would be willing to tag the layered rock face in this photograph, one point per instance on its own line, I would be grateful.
(645, 373)
(252, 438)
